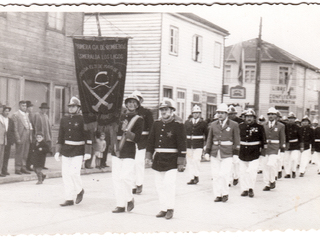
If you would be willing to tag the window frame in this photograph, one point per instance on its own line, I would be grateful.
(250, 70)
(217, 56)
(181, 104)
(55, 28)
(164, 91)
(174, 41)
(286, 76)
(197, 46)
(62, 105)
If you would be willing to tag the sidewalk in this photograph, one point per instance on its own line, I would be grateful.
(54, 171)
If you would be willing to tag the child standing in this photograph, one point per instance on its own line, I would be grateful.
(99, 148)
(39, 152)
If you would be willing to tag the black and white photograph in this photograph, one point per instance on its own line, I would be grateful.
(152, 120)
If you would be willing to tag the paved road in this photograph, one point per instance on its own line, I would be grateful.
(27, 208)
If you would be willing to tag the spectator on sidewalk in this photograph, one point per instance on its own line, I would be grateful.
(43, 125)
(2, 138)
(9, 135)
(39, 152)
(98, 148)
(23, 135)
(31, 119)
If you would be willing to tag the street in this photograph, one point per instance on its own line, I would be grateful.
(27, 208)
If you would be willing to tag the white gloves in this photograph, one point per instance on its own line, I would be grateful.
(56, 157)
(87, 156)
(207, 156)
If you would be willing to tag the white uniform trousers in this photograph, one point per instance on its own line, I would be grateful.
(166, 187)
(71, 171)
(248, 174)
(280, 161)
(139, 167)
(290, 161)
(122, 177)
(220, 170)
(235, 169)
(193, 162)
(269, 163)
(316, 158)
(260, 167)
(305, 158)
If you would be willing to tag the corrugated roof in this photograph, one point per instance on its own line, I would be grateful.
(269, 53)
(204, 21)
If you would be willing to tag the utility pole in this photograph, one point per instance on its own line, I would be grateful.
(98, 24)
(258, 68)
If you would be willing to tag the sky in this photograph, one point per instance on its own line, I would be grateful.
(294, 28)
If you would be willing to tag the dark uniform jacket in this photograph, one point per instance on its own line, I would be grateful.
(129, 148)
(316, 143)
(276, 137)
(39, 152)
(226, 139)
(147, 116)
(196, 133)
(73, 139)
(293, 137)
(307, 137)
(252, 140)
(166, 137)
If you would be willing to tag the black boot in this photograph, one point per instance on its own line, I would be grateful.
(196, 180)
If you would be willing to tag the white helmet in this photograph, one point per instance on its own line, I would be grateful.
(291, 115)
(196, 109)
(222, 108)
(131, 96)
(315, 121)
(167, 102)
(272, 110)
(250, 112)
(138, 94)
(232, 110)
(74, 101)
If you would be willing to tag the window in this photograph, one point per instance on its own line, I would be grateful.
(56, 21)
(217, 54)
(167, 92)
(211, 106)
(250, 73)
(197, 48)
(174, 38)
(196, 100)
(10, 92)
(283, 75)
(59, 104)
(227, 74)
(181, 103)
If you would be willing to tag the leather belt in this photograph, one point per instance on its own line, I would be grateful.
(226, 143)
(74, 143)
(166, 150)
(250, 143)
(194, 137)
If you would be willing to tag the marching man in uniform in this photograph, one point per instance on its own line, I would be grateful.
(129, 133)
(222, 144)
(275, 134)
(74, 144)
(252, 141)
(292, 153)
(167, 143)
(197, 131)
(139, 161)
(316, 147)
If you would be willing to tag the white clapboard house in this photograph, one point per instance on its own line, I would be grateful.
(176, 55)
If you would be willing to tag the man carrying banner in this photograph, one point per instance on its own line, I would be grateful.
(139, 163)
(74, 144)
(167, 145)
(129, 133)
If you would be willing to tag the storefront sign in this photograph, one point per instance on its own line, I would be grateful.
(238, 92)
(280, 95)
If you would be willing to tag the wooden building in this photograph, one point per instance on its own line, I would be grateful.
(37, 61)
(176, 55)
(288, 83)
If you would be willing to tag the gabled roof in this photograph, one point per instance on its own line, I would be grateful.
(204, 21)
(269, 53)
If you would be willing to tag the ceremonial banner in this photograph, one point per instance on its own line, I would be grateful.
(101, 65)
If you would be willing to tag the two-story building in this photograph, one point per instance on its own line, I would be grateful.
(176, 55)
(286, 82)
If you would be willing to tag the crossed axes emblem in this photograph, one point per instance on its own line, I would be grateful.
(101, 99)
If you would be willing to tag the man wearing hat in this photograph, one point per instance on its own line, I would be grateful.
(43, 125)
(316, 147)
(252, 141)
(307, 139)
(8, 138)
(139, 162)
(167, 147)
(197, 131)
(74, 145)
(292, 153)
(275, 134)
(223, 143)
(23, 135)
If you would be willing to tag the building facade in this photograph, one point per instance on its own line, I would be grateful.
(286, 82)
(37, 61)
(176, 55)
